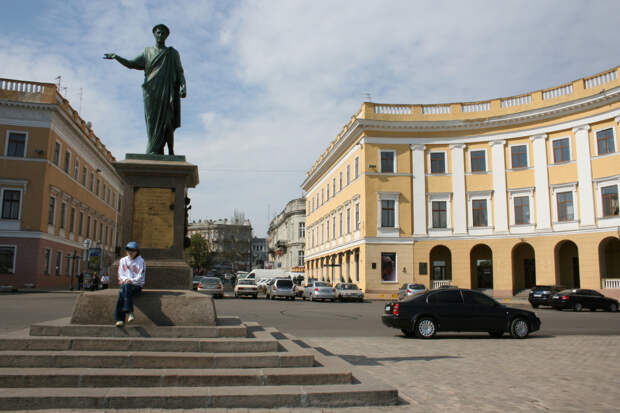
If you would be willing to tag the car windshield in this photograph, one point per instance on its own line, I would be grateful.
(210, 280)
(349, 287)
(417, 286)
(246, 282)
(321, 284)
(542, 287)
(567, 291)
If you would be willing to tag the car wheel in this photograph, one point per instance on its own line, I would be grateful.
(578, 307)
(496, 333)
(613, 307)
(407, 333)
(534, 305)
(519, 328)
(426, 327)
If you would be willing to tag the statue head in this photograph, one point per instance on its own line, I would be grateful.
(161, 31)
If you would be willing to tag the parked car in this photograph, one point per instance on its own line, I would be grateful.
(195, 281)
(319, 290)
(246, 287)
(212, 286)
(349, 291)
(457, 309)
(578, 299)
(410, 289)
(281, 287)
(541, 294)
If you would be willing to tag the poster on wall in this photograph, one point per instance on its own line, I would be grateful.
(388, 267)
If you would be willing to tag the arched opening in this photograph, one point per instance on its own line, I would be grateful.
(609, 262)
(567, 264)
(523, 267)
(481, 266)
(441, 266)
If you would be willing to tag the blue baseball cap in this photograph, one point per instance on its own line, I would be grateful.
(132, 245)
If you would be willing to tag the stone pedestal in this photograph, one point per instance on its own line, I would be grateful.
(154, 216)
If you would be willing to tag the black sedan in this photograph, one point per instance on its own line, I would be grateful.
(541, 294)
(578, 299)
(457, 309)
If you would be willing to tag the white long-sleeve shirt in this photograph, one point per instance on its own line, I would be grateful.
(133, 270)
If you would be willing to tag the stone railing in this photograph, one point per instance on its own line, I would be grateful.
(600, 79)
(393, 109)
(611, 283)
(436, 109)
(22, 86)
(516, 101)
(476, 107)
(440, 283)
(557, 92)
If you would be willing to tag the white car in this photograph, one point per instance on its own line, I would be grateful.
(246, 287)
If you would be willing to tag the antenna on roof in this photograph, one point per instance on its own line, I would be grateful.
(58, 78)
(368, 96)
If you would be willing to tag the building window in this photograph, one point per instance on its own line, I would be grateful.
(300, 258)
(605, 141)
(561, 150)
(72, 220)
(387, 161)
(519, 156)
(91, 183)
(479, 212)
(67, 161)
(48, 261)
(16, 145)
(76, 169)
(81, 224)
(7, 259)
(327, 192)
(327, 230)
(348, 220)
(522, 210)
(302, 229)
(438, 162)
(439, 214)
(323, 196)
(106, 235)
(100, 231)
(105, 189)
(56, 158)
(340, 179)
(84, 174)
(10, 204)
(357, 167)
(565, 206)
(610, 200)
(340, 223)
(388, 267)
(98, 187)
(63, 210)
(88, 227)
(58, 262)
(387, 213)
(357, 217)
(334, 226)
(50, 217)
(478, 161)
(333, 187)
(348, 174)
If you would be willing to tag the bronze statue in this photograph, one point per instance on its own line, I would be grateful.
(164, 85)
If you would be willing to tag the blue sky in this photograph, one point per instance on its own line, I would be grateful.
(272, 82)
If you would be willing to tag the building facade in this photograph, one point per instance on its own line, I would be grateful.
(259, 252)
(229, 240)
(500, 195)
(287, 235)
(58, 188)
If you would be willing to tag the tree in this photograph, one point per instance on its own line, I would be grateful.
(198, 255)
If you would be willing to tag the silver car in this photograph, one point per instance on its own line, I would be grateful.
(408, 289)
(319, 290)
(281, 287)
(212, 286)
(349, 291)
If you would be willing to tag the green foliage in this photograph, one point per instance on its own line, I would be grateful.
(198, 255)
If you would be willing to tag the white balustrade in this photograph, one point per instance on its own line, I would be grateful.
(393, 109)
(440, 283)
(557, 92)
(19, 86)
(516, 101)
(436, 110)
(476, 107)
(600, 79)
(611, 283)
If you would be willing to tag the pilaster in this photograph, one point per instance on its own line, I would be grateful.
(419, 189)
(459, 203)
(500, 204)
(584, 174)
(541, 180)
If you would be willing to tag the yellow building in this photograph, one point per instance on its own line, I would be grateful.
(501, 194)
(58, 188)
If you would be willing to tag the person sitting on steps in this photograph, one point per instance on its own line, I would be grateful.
(131, 277)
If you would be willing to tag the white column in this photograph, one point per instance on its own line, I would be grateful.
(459, 203)
(584, 174)
(541, 180)
(419, 189)
(500, 206)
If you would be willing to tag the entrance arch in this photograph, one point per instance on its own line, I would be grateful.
(441, 266)
(523, 267)
(481, 266)
(567, 264)
(609, 262)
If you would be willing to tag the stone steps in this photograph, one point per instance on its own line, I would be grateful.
(152, 360)
(105, 377)
(194, 345)
(76, 330)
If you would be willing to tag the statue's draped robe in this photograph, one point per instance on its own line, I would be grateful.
(163, 75)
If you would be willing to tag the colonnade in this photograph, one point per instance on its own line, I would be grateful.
(339, 267)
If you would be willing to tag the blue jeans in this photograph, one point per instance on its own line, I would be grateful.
(125, 300)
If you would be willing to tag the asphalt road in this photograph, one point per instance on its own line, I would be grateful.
(300, 318)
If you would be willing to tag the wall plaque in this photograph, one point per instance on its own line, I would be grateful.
(153, 217)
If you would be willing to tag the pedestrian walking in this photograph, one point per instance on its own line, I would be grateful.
(80, 280)
(105, 280)
(131, 277)
(94, 282)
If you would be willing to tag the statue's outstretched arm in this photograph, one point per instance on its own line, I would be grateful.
(137, 63)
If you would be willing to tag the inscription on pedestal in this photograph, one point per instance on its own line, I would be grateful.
(153, 217)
